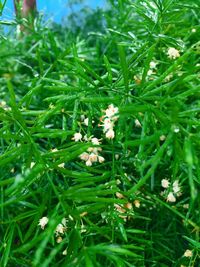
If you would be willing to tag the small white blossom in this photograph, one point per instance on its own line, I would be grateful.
(119, 195)
(61, 165)
(165, 183)
(64, 222)
(54, 150)
(86, 121)
(162, 137)
(116, 156)
(86, 138)
(176, 187)
(93, 157)
(137, 123)
(186, 206)
(43, 222)
(107, 125)
(3, 103)
(101, 159)
(84, 156)
(171, 197)
(82, 117)
(119, 208)
(168, 77)
(149, 72)
(111, 111)
(176, 129)
(153, 64)
(91, 149)
(60, 229)
(194, 30)
(95, 141)
(188, 253)
(88, 163)
(173, 53)
(64, 252)
(77, 137)
(59, 239)
(137, 203)
(110, 134)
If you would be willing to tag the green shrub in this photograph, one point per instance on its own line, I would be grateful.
(99, 128)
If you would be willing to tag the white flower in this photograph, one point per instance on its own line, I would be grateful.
(173, 53)
(64, 252)
(59, 239)
(61, 165)
(137, 123)
(168, 77)
(101, 159)
(60, 229)
(194, 30)
(43, 222)
(153, 64)
(128, 206)
(95, 141)
(84, 156)
(86, 138)
(64, 222)
(137, 203)
(149, 72)
(165, 183)
(111, 111)
(91, 149)
(3, 104)
(119, 195)
(54, 150)
(186, 206)
(110, 134)
(188, 253)
(77, 137)
(93, 157)
(107, 124)
(88, 163)
(162, 137)
(116, 156)
(171, 197)
(86, 121)
(176, 187)
(176, 129)
(119, 208)
(82, 117)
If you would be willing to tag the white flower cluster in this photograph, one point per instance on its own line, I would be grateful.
(152, 69)
(4, 105)
(60, 228)
(92, 154)
(188, 253)
(43, 222)
(77, 137)
(171, 192)
(109, 120)
(173, 53)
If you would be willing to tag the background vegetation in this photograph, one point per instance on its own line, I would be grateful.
(116, 213)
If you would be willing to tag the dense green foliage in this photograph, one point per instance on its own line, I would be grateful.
(117, 212)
